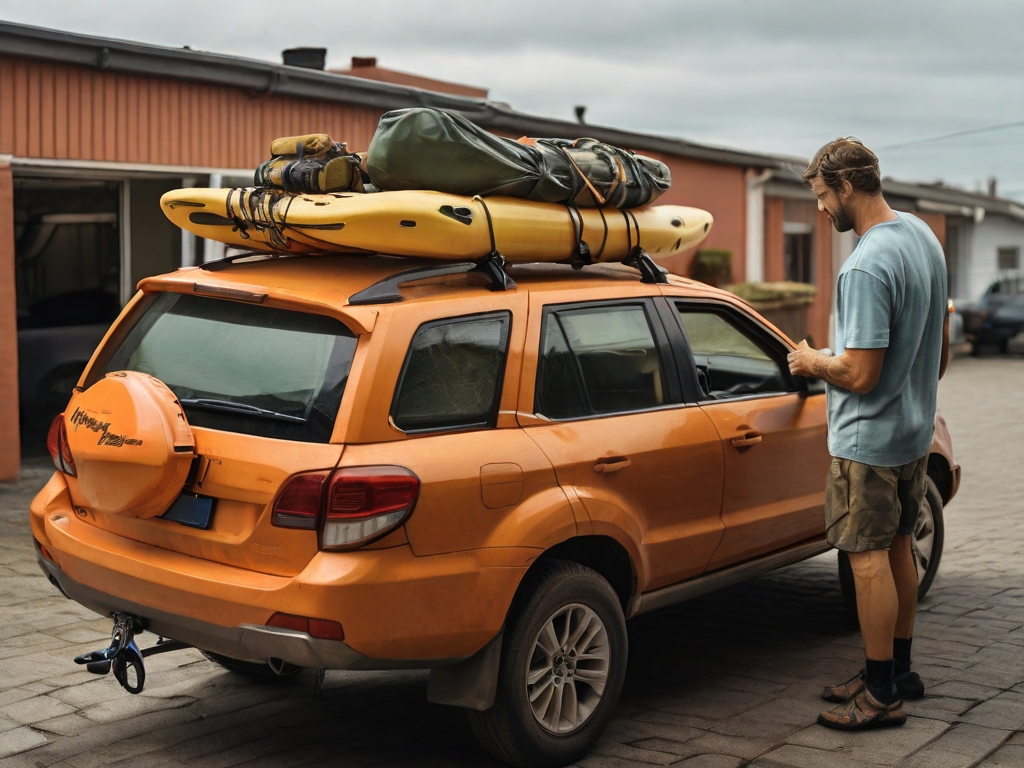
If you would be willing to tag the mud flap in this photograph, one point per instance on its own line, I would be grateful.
(471, 683)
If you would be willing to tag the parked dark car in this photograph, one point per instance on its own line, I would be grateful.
(56, 338)
(997, 316)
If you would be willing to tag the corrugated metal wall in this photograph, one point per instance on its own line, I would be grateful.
(63, 112)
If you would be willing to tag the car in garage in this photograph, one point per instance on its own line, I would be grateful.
(366, 462)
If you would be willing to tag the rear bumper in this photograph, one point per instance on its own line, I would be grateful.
(246, 641)
(397, 610)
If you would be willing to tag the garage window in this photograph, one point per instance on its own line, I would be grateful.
(452, 374)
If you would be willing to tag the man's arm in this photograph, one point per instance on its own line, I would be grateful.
(856, 370)
(944, 355)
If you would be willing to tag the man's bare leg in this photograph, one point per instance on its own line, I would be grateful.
(878, 603)
(904, 574)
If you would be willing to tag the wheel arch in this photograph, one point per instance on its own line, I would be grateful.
(941, 474)
(602, 554)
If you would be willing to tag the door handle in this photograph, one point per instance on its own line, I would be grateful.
(748, 439)
(611, 464)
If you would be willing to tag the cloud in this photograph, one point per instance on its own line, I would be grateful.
(781, 76)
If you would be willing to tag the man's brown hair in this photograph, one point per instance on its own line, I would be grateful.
(846, 159)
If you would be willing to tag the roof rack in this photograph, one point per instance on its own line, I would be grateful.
(386, 290)
(227, 261)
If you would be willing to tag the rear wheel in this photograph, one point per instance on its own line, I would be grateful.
(926, 545)
(257, 670)
(562, 668)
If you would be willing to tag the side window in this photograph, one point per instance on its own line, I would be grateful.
(598, 360)
(452, 374)
(732, 362)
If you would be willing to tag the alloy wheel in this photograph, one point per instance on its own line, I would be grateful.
(568, 669)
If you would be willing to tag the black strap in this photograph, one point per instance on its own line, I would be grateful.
(490, 224)
(581, 250)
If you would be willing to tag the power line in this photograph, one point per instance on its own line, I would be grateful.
(954, 135)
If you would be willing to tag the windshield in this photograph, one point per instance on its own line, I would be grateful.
(284, 371)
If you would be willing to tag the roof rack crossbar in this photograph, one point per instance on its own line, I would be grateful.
(386, 291)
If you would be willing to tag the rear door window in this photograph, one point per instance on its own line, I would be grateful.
(243, 367)
(452, 374)
(597, 360)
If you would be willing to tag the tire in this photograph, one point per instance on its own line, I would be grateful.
(560, 599)
(260, 671)
(926, 544)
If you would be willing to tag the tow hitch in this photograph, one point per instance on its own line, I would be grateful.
(124, 656)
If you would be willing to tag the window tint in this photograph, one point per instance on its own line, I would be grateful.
(731, 362)
(291, 364)
(452, 374)
(598, 360)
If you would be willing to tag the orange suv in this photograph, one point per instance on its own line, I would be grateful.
(345, 462)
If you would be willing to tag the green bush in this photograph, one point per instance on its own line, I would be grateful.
(712, 265)
(786, 291)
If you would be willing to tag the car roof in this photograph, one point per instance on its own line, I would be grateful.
(330, 280)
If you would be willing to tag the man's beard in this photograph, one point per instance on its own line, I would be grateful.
(841, 219)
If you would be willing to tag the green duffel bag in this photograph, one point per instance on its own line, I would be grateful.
(312, 163)
(424, 148)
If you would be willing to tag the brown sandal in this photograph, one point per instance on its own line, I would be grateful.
(864, 711)
(845, 691)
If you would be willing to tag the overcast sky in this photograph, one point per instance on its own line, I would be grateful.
(780, 76)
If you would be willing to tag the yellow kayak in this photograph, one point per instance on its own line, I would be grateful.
(431, 224)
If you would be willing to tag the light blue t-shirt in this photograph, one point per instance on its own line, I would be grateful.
(891, 294)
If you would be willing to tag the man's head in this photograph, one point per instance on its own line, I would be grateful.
(843, 176)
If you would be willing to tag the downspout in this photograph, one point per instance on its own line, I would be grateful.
(755, 223)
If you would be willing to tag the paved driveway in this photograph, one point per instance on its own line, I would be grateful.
(727, 680)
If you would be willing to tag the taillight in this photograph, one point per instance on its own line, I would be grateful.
(351, 507)
(366, 502)
(325, 629)
(299, 504)
(57, 444)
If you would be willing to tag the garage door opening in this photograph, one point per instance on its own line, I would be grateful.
(68, 278)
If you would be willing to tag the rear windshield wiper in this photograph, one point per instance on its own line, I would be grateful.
(240, 408)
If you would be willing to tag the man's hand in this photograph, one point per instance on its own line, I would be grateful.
(804, 361)
(856, 370)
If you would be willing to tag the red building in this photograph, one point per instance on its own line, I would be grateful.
(93, 131)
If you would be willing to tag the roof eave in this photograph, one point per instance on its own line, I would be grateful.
(261, 77)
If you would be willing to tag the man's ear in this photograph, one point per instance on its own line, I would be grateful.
(844, 190)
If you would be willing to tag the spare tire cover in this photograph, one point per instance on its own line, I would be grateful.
(131, 444)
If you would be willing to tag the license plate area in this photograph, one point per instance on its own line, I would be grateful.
(191, 510)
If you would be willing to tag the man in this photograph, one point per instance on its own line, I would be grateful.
(892, 339)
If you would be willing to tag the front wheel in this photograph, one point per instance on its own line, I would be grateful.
(562, 668)
(926, 544)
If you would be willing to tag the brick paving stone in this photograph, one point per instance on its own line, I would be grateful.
(19, 740)
(791, 756)
(711, 761)
(37, 708)
(960, 747)
(886, 746)
(998, 712)
(1010, 756)
(727, 680)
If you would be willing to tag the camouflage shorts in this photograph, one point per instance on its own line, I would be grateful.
(865, 506)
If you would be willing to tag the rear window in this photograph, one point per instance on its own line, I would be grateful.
(243, 367)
